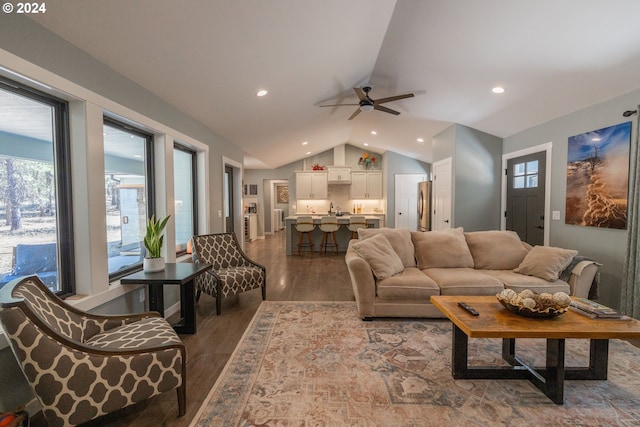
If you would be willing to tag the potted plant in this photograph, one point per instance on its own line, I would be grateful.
(153, 241)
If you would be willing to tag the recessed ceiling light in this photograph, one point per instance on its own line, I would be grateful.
(373, 132)
(365, 144)
(498, 89)
(420, 140)
(261, 92)
(305, 143)
(307, 153)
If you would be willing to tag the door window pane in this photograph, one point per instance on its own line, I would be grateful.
(183, 169)
(33, 215)
(525, 175)
(518, 182)
(125, 154)
(518, 169)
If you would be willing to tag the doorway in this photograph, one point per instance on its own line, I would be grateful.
(406, 200)
(526, 197)
(228, 195)
(442, 195)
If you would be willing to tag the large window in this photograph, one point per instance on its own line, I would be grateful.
(184, 173)
(36, 230)
(128, 179)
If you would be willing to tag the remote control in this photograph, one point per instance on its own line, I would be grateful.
(468, 308)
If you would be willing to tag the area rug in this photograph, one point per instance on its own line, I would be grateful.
(319, 364)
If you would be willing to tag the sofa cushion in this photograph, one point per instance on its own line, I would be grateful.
(442, 249)
(464, 281)
(379, 253)
(400, 239)
(519, 282)
(546, 262)
(495, 250)
(411, 284)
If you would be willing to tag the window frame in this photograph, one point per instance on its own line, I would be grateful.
(149, 181)
(63, 181)
(194, 188)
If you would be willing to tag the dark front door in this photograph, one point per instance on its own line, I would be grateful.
(228, 190)
(525, 197)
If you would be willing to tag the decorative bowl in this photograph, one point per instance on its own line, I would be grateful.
(530, 312)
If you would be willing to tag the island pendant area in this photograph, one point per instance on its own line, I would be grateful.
(343, 235)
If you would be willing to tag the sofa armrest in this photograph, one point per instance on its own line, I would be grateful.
(363, 282)
(582, 278)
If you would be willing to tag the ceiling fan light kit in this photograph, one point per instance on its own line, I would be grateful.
(368, 104)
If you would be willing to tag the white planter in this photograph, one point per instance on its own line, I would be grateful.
(152, 265)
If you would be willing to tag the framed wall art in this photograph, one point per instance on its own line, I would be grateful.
(598, 177)
(282, 193)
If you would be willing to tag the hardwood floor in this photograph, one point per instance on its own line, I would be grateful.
(289, 278)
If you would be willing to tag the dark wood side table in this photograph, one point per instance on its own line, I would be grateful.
(182, 274)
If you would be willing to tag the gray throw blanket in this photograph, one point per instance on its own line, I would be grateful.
(566, 275)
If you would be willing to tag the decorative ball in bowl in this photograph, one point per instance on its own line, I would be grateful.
(530, 304)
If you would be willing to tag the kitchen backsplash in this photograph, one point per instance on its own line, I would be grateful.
(340, 196)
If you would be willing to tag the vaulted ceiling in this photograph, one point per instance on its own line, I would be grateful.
(208, 58)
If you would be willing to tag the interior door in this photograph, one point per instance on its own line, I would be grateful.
(228, 194)
(526, 196)
(442, 195)
(406, 200)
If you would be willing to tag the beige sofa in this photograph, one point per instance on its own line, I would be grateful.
(395, 271)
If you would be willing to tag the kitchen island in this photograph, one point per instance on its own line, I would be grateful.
(343, 235)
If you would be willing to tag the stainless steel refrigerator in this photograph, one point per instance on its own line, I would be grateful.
(424, 206)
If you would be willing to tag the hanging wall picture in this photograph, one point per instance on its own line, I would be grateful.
(598, 177)
(282, 192)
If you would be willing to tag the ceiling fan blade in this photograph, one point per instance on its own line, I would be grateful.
(360, 93)
(393, 98)
(336, 105)
(385, 109)
(353, 116)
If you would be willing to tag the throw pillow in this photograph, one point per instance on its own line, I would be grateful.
(546, 262)
(442, 249)
(382, 259)
(400, 239)
(495, 250)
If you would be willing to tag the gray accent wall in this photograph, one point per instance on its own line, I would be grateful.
(476, 169)
(607, 246)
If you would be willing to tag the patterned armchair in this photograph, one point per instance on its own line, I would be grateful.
(82, 366)
(232, 273)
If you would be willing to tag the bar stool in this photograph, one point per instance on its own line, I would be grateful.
(305, 225)
(355, 222)
(329, 225)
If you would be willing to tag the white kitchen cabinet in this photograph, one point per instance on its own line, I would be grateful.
(311, 185)
(366, 185)
(339, 175)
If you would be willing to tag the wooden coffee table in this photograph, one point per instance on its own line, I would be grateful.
(495, 321)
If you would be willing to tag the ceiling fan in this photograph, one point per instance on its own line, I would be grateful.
(368, 104)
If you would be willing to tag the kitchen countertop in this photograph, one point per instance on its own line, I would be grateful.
(344, 218)
(343, 234)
